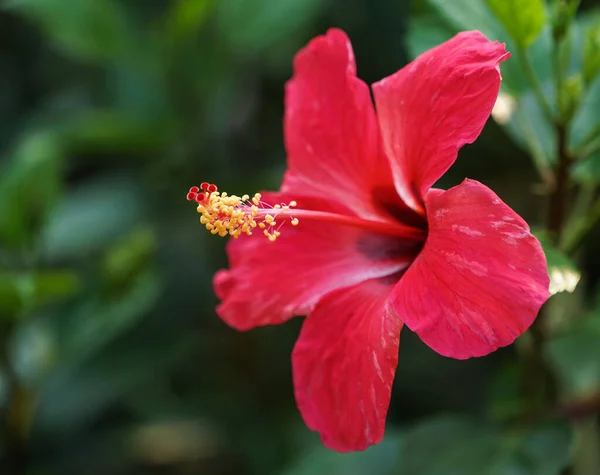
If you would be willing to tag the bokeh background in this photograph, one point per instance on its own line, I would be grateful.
(112, 358)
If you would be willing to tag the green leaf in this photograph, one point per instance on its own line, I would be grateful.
(252, 27)
(467, 447)
(30, 184)
(523, 19)
(87, 29)
(129, 256)
(591, 52)
(72, 396)
(186, 17)
(575, 356)
(24, 291)
(587, 171)
(98, 321)
(381, 459)
(468, 15)
(114, 130)
(506, 401)
(528, 126)
(564, 274)
(476, 15)
(586, 122)
(91, 217)
(562, 13)
(426, 32)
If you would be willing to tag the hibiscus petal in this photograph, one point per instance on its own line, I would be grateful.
(331, 132)
(344, 364)
(433, 106)
(270, 282)
(480, 279)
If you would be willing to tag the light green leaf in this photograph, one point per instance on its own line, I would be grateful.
(529, 127)
(469, 15)
(586, 122)
(476, 15)
(129, 256)
(587, 171)
(591, 52)
(523, 19)
(186, 17)
(24, 291)
(564, 274)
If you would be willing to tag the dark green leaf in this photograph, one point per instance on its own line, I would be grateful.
(29, 187)
(110, 130)
(457, 446)
(89, 218)
(381, 459)
(98, 321)
(575, 355)
(252, 27)
(72, 396)
(24, 291)
(88, 29)
(426, 32)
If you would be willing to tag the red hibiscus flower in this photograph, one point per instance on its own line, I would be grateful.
(373, 246)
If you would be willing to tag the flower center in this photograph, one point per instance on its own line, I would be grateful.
(233, 215)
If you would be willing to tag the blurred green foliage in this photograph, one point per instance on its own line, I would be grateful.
(112, 359)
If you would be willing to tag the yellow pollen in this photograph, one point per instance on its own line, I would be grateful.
(224, 214)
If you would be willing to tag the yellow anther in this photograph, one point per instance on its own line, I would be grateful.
(232, 215)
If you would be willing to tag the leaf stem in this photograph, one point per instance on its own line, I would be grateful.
(558, 196)
(581, 228)
(587, 448)
(14, 458)
(535, 84)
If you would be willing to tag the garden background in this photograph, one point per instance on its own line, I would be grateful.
(112, 360)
